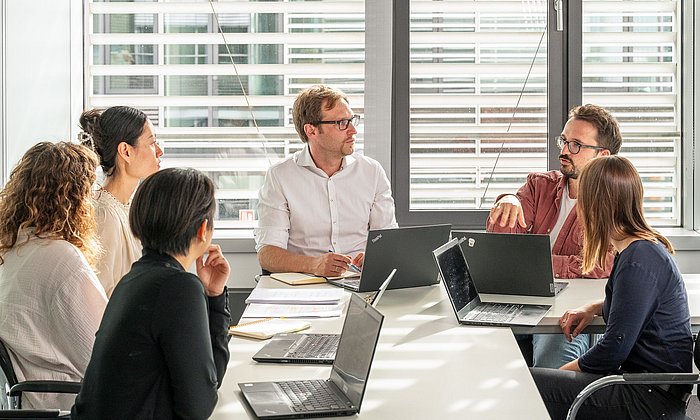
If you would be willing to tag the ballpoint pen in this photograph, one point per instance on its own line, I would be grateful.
(353, 266)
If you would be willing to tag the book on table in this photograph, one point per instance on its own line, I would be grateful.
(298, 278)
(266, 328)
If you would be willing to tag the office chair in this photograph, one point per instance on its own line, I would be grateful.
(11, 401)
(640, 379)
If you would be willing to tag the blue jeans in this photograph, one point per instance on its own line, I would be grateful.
(553, 351)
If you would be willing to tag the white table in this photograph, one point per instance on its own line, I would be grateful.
(426, 365)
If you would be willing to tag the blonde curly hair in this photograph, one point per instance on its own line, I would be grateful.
(50, 192)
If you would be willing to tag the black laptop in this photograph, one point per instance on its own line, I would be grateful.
(236, 303)
(464, 296)
(310, 348)
(339, 395)
(510, 263)
(407, 249)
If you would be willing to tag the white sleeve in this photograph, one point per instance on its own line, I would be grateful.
(273, 215)
(382, 214)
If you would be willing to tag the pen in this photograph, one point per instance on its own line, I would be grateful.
(353, 266)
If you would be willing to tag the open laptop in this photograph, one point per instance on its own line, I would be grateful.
(510, 263)
(310, 348)
(236, 303)
(407, 249)
(339, 395)
(464, 297)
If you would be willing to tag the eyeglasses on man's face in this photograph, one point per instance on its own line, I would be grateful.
(574, 146)
(342, 124)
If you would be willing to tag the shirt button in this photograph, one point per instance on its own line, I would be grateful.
(556, 275)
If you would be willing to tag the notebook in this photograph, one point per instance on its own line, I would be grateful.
(310, 348)
(465, 300)
(510, 263)
(407, 249)
(339, 395)
(266, 328)
(297, 278)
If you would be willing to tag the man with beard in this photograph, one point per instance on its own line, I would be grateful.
(317, 206)
(546, 204)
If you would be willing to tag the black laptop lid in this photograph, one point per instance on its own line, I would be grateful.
(358, 341)
(455, 274)
(408, 250)
(236, 303)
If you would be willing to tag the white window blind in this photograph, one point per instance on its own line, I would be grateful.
(170, 60)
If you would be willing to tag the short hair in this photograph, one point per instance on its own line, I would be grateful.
(609, 204)
(110, 127)
(307, 106)
(50, 192)
(605, 123)
(168, 208)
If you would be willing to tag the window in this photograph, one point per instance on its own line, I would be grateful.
(490, 82)
(175, 61)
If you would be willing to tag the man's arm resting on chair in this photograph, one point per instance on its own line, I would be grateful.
(275, 260)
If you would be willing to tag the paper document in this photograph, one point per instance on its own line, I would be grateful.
(263, 310)
(346, 275)
(296, 296)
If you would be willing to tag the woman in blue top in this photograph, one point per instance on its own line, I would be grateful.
(645, 307)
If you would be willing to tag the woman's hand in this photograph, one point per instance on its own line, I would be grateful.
(575, 320)
(214, 272)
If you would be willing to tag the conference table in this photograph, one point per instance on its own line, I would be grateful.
(426, 364)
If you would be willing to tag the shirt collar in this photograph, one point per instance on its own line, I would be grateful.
(303, 158)
(152, 255)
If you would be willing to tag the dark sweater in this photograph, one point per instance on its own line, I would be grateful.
(646, 315)
(161, 350)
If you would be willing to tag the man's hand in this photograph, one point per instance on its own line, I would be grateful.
(359, 259)
(214, 272)
(575, 320)
(507, 211)
(331, 264)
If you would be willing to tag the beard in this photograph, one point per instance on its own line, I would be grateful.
(570, 171)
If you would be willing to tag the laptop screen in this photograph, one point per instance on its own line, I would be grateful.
(455, 274)
(358, 341)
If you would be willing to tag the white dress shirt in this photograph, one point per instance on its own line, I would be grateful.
(303, 210)
(120, 248)
(51, 305)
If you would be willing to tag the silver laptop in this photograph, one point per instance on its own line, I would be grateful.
(310, 348)
(464, 297)
(339, 395)
(510, 263)
(406, 249)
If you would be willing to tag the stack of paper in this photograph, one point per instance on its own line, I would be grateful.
(294, 303)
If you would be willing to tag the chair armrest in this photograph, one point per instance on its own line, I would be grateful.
(33, 414)
(59, 387)
(631, 379)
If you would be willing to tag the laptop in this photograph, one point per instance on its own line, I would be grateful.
(236, 303)
(310, 348)
(464, 297)
(510, 263)
(339, 395)
(407, 249)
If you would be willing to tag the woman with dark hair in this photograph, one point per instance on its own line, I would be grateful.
(647, 320)
(123, 138)
(51, 302)
(162, 347)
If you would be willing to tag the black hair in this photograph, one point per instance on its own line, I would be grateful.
(169, 207)
(110, 127)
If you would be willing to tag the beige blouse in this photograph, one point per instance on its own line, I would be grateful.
(120, 248)
(51, 305)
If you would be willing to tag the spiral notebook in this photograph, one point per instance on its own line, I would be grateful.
(265, 328)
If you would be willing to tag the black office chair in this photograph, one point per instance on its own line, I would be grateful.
(11, 401)
(639, 379)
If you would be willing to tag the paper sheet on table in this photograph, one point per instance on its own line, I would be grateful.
(264, 310)
(296, 296)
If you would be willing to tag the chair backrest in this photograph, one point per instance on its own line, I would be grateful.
(696, 358)
(7, 377)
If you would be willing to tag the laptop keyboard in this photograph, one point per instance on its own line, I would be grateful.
(321, 346)
(496, 312)
(313, 395)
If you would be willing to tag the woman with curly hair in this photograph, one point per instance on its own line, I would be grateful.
(124, 140)
(51, 302)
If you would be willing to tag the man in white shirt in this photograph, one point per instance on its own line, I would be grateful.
(317, 206)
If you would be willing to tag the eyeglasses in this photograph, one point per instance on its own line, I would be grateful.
(342, 124)
(574, 146)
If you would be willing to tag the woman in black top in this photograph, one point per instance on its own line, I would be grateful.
(647, 321)
(162, 347)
